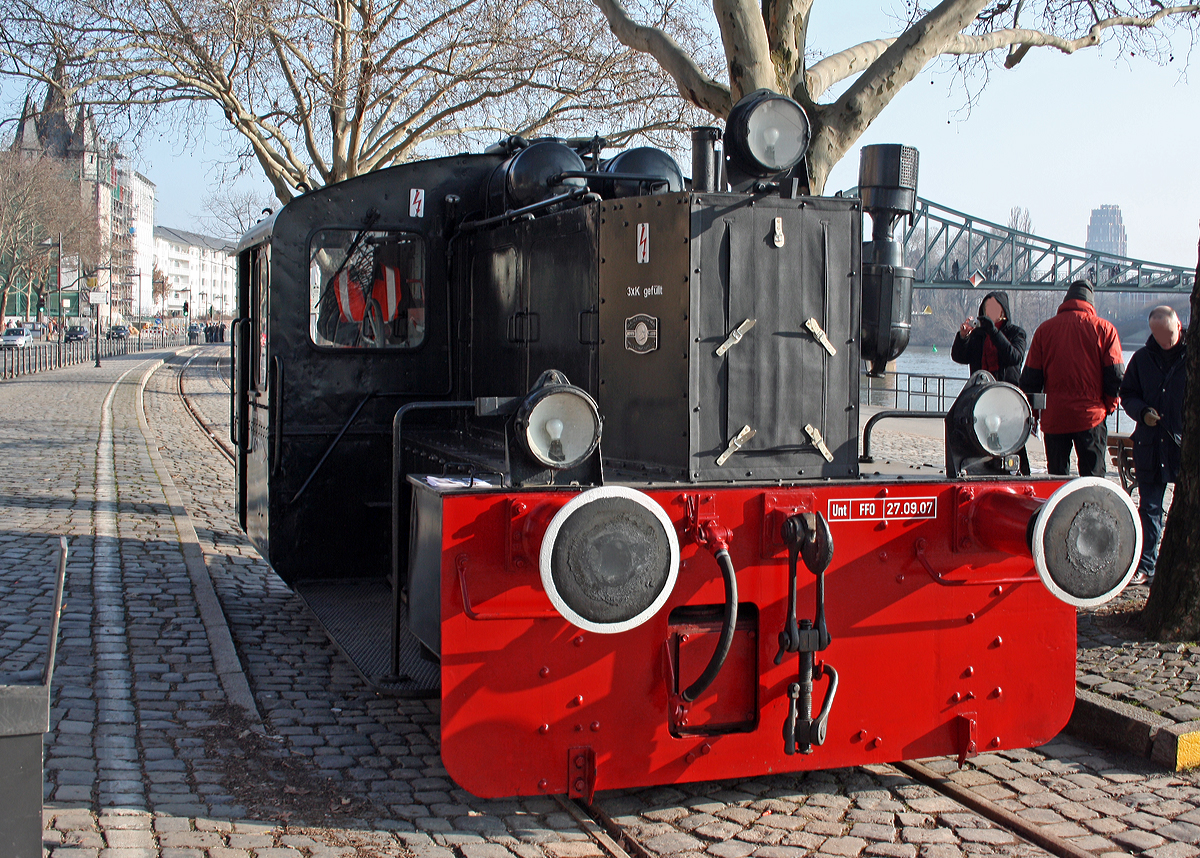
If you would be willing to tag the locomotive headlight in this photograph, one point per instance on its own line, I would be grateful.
(768, 132)
(560, 425)
(1002, 419)
(988, 423)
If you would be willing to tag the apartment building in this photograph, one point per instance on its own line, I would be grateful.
(201, 271)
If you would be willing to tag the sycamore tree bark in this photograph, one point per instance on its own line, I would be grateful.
(1172, 612)
(767, 45)
(323, 90)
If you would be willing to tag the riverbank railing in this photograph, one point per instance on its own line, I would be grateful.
(910, 391)
(45, 356)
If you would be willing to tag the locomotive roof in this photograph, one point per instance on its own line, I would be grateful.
(258, 232)
(445, 168)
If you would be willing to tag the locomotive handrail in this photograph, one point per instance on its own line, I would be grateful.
(652, 181)
(866, 458)
(460, 565)
(237, 390)
(939, 577)
(275, 411)
(397, 458)
(338, 438)
(472, 225)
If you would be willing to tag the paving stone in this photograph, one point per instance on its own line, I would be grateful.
(1136, 839)
(927, 835)
(843, 846)
(1173, 850)
(740, 849)
(892, 850)
(668, 844)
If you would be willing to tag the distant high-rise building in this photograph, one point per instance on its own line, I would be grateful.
(1106, 232)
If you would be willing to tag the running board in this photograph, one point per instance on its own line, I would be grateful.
(357, 617)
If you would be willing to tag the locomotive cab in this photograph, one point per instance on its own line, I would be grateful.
(574, 443)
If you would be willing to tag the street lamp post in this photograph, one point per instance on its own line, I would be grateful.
(96, 298)
(138, 275)
(58, 289)
(94, 301)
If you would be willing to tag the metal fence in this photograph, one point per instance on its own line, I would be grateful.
(906, 391)
(44, 356)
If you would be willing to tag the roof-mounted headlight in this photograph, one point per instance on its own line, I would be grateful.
(559, 424)
(768, 133)
(988, 424)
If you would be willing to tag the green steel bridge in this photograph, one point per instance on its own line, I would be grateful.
(953, 250)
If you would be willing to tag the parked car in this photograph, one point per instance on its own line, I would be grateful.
(118, 332)
(36, 330)
(15, 338)
(75, 333)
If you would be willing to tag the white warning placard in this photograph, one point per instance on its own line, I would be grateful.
(643, 242)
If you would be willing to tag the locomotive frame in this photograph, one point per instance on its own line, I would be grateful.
(554, 436)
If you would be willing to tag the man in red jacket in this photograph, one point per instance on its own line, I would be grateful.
(1075, 359)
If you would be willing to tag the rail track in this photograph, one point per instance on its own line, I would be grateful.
(194, 412)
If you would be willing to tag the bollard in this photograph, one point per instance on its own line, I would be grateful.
(24, 718)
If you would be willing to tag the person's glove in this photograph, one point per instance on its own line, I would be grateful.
(1151, 417)
(986, 325)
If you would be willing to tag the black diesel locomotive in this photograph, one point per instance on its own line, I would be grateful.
(551, 433)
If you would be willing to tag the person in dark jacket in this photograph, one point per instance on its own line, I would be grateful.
(1152, 394)
(993, 342)
(1075, 359)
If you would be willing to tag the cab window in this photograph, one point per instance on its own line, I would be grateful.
(366, 289)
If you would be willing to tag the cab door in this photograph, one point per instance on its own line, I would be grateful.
(251, 418)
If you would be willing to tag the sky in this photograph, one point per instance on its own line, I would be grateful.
(1059, 135)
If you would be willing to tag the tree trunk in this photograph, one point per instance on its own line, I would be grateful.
(1172, 612)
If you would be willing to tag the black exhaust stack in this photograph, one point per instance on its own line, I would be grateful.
(887, 185)
(706, 164)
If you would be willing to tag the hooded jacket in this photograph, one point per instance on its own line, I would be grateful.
(1075, 358)
(1156, 379)
(1007, 339)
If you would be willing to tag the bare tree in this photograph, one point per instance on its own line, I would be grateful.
(323, 90)
(767, 45)
(160, 285)
(41, 215)
(230, 214)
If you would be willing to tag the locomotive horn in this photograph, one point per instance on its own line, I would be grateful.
(609, 559)
(1085, 539)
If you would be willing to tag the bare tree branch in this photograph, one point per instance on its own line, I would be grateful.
(322, 90)
(693, 83)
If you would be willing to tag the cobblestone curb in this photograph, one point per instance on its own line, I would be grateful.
(226, 664)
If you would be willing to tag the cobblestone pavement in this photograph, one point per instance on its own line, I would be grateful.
(146, 757)
(1094, 800)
